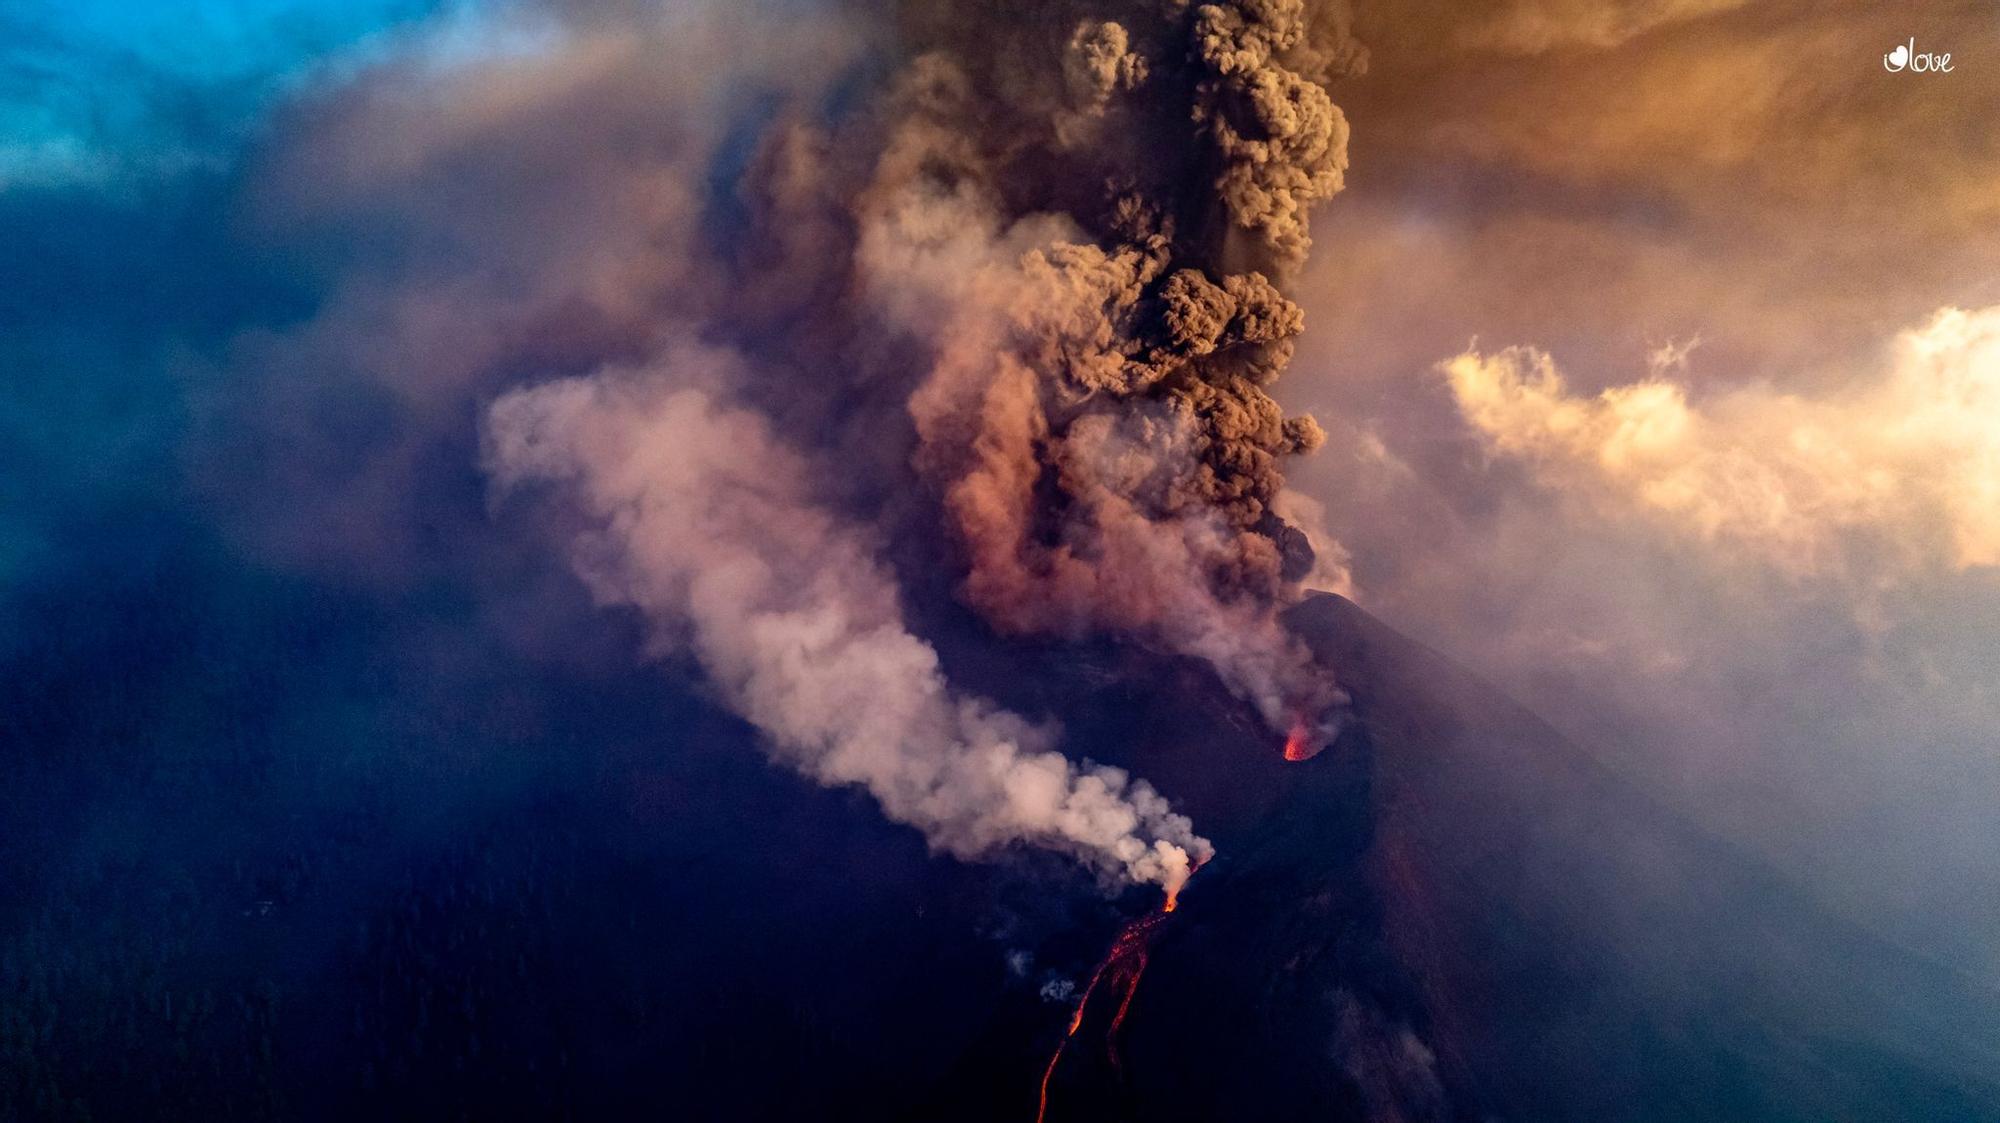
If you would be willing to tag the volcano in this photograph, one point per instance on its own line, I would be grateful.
(1447, 913)
(1455, 913)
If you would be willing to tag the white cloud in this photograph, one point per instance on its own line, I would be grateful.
(1907, 467)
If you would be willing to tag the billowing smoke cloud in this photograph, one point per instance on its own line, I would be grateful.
(1010, 286)
(1906, 469)
(1047, 260)
(706, 523)
(1085, 223)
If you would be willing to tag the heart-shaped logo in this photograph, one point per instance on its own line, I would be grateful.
(1898, 58)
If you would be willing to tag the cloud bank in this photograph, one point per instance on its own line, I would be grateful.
(1792, 644)
(1910, 462)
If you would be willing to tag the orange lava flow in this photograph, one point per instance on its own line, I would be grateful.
(1118, 1018)
(1122, 965)
(1043, 1109)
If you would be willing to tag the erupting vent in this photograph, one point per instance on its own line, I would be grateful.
(1300, 744)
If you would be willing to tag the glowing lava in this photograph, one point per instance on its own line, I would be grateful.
(1121, 967)
(1299, 745)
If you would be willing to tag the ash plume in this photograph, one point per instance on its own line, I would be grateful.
(1040, 274)
(703, 521)
(1086, 219)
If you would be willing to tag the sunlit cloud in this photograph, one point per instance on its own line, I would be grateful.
(1907, 465)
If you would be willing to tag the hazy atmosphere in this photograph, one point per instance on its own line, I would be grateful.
(1025, 561)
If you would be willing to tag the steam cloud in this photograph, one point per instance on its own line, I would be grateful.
(706, 524)
(1045, 266)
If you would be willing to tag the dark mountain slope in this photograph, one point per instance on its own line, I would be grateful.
(272, 859)
(1455, 913)
(1584, 953)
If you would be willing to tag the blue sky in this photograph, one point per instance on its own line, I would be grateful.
(120, 125)
(91, 90)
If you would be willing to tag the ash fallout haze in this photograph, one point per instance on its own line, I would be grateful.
(1062, 560)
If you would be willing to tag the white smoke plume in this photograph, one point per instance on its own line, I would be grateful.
(702, 519)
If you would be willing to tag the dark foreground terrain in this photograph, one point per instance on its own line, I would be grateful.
(258, 864)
